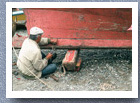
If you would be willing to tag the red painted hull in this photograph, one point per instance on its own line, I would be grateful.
(83, 28)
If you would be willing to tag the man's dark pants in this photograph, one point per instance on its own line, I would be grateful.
(50, 68)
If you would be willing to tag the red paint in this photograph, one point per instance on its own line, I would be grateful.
(118, 12)
(70, 55)
(95, 43)
(18, 35)
(82, 43)
(54, 20)
(82, 27)
(85, 34)
(18, 78)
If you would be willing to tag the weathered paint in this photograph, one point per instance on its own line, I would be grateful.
(83, 27)
(70, 55)
(70, 59)
(82, 34)
(81, 43)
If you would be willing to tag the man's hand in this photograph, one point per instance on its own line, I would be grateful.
(49, 56)
(54, 54)
(53, 41)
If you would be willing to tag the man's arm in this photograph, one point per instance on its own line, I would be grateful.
(45, 41)
(39, 63)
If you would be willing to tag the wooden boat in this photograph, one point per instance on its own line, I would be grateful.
(81, 27)
(18, 19)
(18, 15)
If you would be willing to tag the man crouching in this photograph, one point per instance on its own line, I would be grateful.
(32, 60)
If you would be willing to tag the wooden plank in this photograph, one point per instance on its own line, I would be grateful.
(117, 12)
(78, 43)
(95, 43)
(86, 34)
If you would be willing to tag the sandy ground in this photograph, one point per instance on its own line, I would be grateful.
(102, 70)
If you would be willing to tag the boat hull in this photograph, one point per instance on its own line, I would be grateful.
(83, 27)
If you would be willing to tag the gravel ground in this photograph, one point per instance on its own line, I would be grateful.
(102, 70)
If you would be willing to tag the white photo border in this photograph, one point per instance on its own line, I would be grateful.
(71, 94)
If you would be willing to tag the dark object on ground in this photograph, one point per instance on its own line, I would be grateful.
(78, 65)
(13, 27)
(53, 77)
(15, 72)
(14, 64)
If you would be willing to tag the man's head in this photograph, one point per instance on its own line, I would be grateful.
(35, 34)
